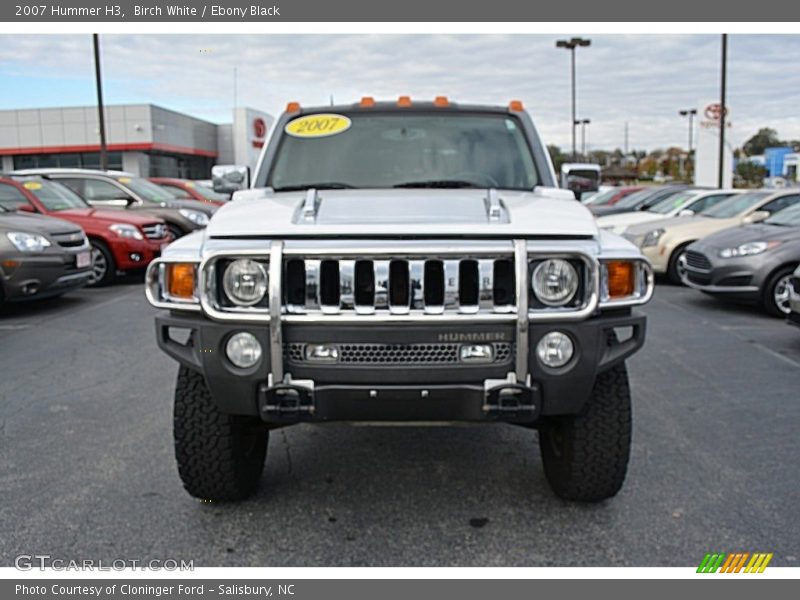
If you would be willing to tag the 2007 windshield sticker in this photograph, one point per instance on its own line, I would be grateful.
(320, 125)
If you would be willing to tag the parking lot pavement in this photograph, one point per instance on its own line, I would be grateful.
(87, 470)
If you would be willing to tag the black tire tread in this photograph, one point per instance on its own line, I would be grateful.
(208, 444)
(111, 272)
(594, 457)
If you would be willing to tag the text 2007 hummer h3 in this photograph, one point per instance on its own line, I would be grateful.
(405, 262)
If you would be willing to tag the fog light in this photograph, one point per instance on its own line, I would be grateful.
(555, 349)
(476, 353)
(243, 350)
(322, 352)
(136, 257)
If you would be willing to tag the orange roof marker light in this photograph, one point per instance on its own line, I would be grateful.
(516, 106)
(367, 102)
(293, 107)
(404, 101)
(441, 101)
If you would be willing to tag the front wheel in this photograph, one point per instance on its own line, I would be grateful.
(585, 456)
(220, 456)
(104, 269)
(675, 268)
(777, 293)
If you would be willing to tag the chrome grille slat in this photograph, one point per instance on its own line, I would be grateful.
(347, 282)
(155, 231)
(486, 287)
(417, 273)
(381, 270)
(451, 285)
(312, 284)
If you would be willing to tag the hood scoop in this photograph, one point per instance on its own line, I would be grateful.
(417, 209)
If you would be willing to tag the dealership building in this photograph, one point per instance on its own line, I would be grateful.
(143, 139)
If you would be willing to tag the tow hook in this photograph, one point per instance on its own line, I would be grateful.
(286, 401)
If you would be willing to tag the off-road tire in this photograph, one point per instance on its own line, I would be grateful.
(220, 456)
(585, 456)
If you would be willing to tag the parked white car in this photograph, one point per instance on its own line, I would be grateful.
(684, 203)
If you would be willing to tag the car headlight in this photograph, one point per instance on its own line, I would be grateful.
(245, 282)
(748, 249)
(555, 282)
(28, 242)
(126, 231)
(195, 216)
(651, 237)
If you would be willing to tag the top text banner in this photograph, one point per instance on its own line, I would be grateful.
(307, 11)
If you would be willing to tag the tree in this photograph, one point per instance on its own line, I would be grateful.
(765, 138)
(557, 156)
(752, 173)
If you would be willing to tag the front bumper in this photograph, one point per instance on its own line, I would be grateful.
(734, 277)
(136, 254)
(366, 392)
(35, 276)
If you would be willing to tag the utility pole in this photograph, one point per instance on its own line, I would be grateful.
(100, 111)
(570, 45)
(583, 123)
(626, 139)
(722, 110)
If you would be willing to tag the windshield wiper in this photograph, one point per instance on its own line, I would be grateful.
(326, 185)
(438, 183)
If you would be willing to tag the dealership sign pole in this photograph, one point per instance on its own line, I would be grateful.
(100, 116)
(721, 162)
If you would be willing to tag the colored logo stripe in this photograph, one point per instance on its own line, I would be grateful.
(734, 563)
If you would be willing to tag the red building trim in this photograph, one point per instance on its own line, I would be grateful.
(111, 148)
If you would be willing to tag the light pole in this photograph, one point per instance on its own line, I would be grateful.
(691, 113)
(722, 110)
(100, 112)
(583, 123)
(570, 45)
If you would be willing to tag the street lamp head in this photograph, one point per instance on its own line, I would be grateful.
(564, 44)
(576, 41)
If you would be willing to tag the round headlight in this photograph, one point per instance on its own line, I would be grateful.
(245, 282)
(555, 349)
(555, 282)
(243, 350)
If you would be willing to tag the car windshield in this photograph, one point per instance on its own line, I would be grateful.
(636, 198)
(385, 150)
(53, 195)
(671, 203)
(789, 217)
(600, 198)
(146, 190)
(735, 206)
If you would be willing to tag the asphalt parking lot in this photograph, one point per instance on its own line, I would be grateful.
(87, 471)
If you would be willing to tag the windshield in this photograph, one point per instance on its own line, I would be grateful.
(636, 198)
(789, 217)
(146, 190)
(585, 174)
(736, 205)
(385, 150)
(53, 195)
(600, 198)
(671, 203)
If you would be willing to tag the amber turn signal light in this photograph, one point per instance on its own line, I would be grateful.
(180, 280)
(620, 278)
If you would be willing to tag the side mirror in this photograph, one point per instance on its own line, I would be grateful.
(26, 208)
(227, 179)
(756, 217)
(686, 212)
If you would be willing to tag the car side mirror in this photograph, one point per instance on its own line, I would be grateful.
(227, 179)
(26, 208)
(686, 212)
(756, 217)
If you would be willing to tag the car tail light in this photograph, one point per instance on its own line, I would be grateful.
(180, 280)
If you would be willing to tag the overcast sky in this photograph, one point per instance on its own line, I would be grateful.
(643, 80)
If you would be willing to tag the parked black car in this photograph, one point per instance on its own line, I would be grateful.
(753, 262)
(40, 257)
(641, 200)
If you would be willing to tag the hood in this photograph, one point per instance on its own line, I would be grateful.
(675, 222)
(735, 236)
(112, 216)
(404, 212)
(203, 207)
(13, 221)
(623, 220)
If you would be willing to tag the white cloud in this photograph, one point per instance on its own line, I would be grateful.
(643, 80)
